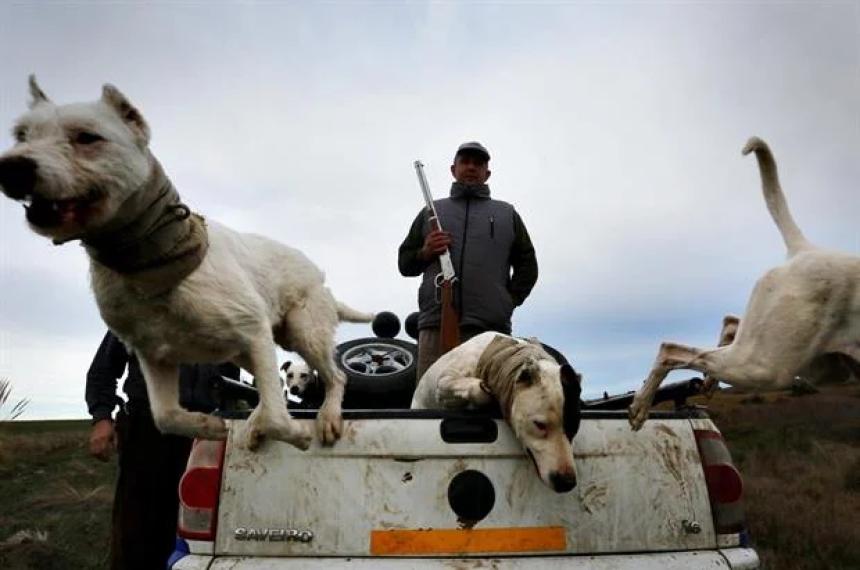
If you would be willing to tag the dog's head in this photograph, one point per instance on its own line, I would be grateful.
(299, 377)
(74, 165)
(540, 400)
(545, 418)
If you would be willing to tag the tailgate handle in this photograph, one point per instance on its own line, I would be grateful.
(468, 430)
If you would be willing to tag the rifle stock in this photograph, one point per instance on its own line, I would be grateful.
(449, 330)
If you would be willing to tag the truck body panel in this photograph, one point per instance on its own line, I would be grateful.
(383, 490)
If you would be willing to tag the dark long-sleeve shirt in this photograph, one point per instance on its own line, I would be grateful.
(111, 361)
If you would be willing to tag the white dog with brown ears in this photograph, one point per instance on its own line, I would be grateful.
(539, 398)
(800, 311)
(174, 287)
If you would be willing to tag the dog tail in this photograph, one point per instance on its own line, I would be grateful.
(350, 315)
(776, 204)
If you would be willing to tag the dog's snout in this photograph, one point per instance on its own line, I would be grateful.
(17, 176)
(294, 390)
(562, 482)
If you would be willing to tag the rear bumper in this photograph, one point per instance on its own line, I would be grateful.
(729, 558)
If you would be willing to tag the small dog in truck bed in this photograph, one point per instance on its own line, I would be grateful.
(799, 312)
(299, 378)
(539, 398)
(173, 286)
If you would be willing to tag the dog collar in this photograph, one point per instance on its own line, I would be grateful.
(155, 240)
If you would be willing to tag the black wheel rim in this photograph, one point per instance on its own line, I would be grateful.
(376, 359)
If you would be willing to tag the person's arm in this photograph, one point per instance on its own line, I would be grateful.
(106, 369)
(409, 259)
(523, 262)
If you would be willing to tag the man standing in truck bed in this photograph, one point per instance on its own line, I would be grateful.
(490, 248)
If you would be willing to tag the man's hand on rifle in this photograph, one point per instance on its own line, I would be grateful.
(435, 244)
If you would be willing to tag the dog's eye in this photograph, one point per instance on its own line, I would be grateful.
(84, 137)
(20, 134)
(541, 426)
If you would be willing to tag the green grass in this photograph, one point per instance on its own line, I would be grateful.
(50, 483)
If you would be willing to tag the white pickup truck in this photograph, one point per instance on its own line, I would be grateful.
(442, 489)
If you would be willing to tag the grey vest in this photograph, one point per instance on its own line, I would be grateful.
(482, 232)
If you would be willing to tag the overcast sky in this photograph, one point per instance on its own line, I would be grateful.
(615, 130)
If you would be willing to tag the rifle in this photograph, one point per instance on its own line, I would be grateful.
(449, 336)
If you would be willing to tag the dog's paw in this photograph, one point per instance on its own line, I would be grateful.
(294, 432)
(300, 436)
(329, 424)
(214, 428)
(637, 414)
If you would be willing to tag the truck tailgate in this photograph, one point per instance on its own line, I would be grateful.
(383, 490)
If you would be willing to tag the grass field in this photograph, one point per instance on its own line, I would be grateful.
(800, 458)
(50, 484)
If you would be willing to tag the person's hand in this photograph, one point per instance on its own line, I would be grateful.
(103, 440)
(435, 244)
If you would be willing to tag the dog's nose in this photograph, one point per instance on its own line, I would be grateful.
(562, 482)
(17, 176)
(294, 390)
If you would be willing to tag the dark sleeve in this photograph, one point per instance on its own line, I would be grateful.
(106, 369)
(523, 262)
(407, 258)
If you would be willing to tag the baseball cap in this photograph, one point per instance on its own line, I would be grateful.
(472, 146)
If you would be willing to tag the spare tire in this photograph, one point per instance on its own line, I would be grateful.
(380, 372)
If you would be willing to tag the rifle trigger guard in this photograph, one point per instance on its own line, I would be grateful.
(439, 280)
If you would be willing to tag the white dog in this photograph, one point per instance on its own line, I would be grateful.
(538, 397)
(799, 311)
(173, 287)
(300, 377)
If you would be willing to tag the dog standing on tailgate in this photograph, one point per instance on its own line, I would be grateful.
(805, 309)
(539, 398)
(173, 286)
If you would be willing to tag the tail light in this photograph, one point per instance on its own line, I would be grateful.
(199, 489)
(725, 486)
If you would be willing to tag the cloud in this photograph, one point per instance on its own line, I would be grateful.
(615, 130)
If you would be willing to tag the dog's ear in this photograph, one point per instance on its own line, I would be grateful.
(570, 378)
(36, 94)
(286, 365)
(571, 385)
(527, 376)
(127, 112)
